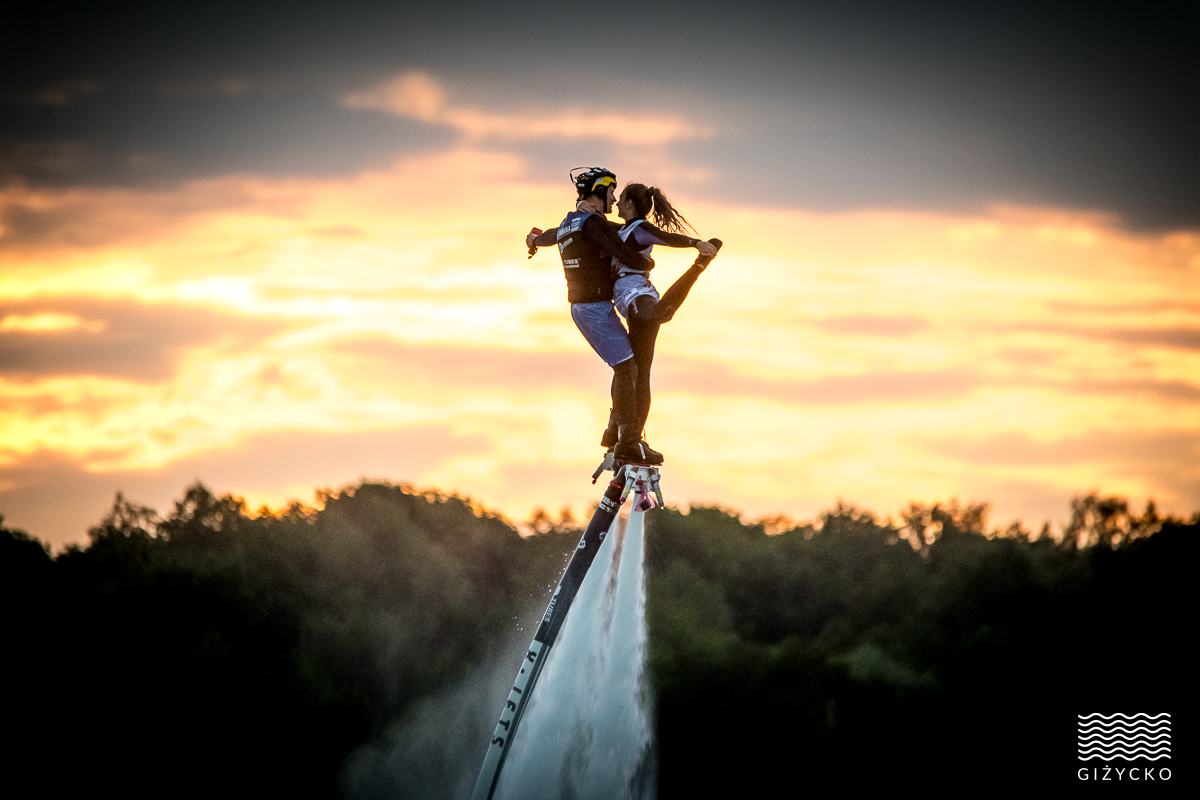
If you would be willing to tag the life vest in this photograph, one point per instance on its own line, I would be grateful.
(625, 232)
(586, 265)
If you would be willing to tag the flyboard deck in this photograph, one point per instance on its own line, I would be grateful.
(626, 477)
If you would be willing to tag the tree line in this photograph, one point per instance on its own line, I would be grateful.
(219, 650)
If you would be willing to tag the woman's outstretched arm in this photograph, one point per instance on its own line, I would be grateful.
(646, 234)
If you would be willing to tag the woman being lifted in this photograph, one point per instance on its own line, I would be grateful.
(634, 295)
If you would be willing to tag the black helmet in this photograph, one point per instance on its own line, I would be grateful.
(595, 180)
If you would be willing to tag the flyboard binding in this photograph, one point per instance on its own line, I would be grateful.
(643, 477)
(640, 479)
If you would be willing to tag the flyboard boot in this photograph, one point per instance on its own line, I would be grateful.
(612, 433)
(631, 448)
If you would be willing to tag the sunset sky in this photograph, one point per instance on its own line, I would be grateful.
(279, 247)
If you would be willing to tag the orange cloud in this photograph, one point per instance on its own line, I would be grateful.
(419, 96)
(873, 356)
(49, 322)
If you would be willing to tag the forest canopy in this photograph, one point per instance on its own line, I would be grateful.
(216, 647)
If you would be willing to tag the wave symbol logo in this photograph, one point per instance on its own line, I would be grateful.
(1124, 736)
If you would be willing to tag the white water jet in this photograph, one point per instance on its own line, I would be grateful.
(588, 731)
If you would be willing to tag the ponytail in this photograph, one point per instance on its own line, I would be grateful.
(665, 215)
(649, 201)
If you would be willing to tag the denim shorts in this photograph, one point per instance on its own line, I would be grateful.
(599, 324)
(629, 288)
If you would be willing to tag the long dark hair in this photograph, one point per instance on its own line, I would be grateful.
(650, 202)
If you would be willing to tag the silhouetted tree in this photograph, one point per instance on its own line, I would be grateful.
(220, 651)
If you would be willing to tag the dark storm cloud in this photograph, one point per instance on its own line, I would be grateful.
(32, 487)
(1084, 105)
(934, 105)
(143, 135)
(830, 106)
(115, 338)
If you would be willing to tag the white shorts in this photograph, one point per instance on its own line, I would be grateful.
(630, 287)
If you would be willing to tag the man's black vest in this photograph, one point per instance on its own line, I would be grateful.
(587, 265)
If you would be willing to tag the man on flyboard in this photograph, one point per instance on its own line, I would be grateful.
(588, 245)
